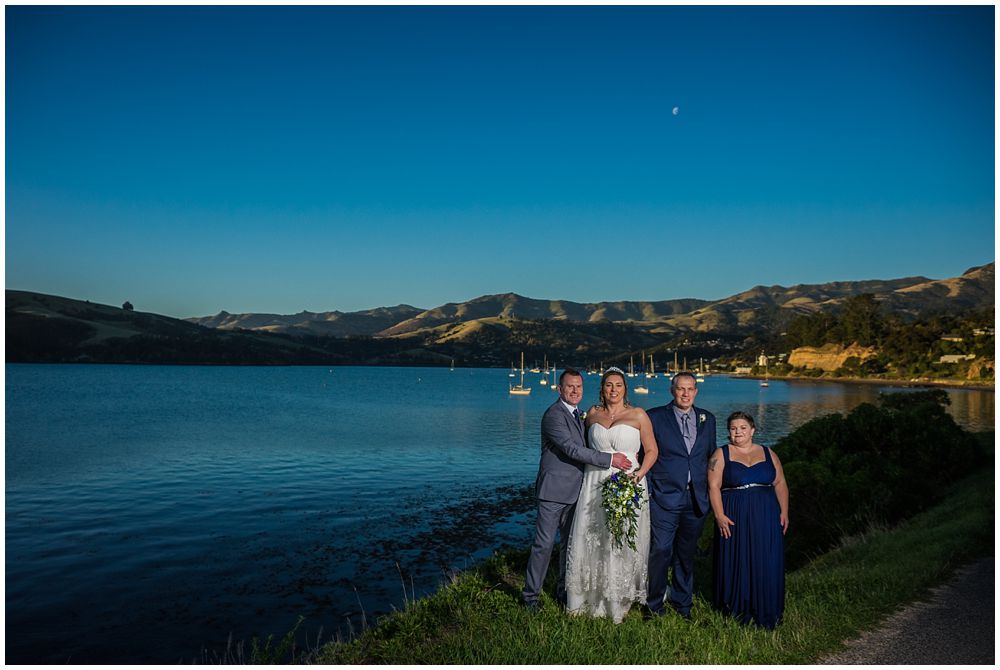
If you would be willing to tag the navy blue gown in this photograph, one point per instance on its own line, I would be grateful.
(749, 568)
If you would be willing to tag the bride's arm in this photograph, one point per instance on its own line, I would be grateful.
(650, 451)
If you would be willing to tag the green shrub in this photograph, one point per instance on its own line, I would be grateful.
(876, 465)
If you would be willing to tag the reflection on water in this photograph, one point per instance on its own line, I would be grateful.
(153, 510)
(973, 410)
(783, 406)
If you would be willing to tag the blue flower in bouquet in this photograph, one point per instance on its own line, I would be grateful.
(621, 498)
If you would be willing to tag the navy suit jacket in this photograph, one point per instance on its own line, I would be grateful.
(667, 479)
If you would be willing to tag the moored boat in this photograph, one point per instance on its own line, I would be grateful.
(519, 389)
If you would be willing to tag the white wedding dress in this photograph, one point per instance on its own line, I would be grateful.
(603, 580)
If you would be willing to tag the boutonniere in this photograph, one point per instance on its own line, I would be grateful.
(701, 418)
(583, 416)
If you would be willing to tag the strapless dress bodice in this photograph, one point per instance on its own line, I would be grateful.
(619, 437)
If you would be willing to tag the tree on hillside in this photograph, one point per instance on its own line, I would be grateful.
(812, 330)
(858, 320)
(861, 321)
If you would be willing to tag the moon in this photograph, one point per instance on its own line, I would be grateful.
(676, 111)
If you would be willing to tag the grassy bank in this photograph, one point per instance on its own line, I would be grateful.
(478, 619)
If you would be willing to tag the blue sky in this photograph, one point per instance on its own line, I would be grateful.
(260, 159)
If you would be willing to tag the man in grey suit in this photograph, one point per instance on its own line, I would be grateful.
(557, 487)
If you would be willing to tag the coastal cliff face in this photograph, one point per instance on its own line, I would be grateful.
(829, 357)
(981, 368)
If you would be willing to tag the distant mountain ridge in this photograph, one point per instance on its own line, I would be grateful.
(488, 331)
(337, 324)
(514, 306)
(909, 296)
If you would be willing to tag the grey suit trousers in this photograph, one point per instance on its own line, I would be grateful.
(552, 516)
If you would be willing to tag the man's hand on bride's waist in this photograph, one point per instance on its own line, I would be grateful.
(620, 461)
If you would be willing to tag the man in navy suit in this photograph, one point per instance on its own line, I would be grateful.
(678, 493)
(557, 487)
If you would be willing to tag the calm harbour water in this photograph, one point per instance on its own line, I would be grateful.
(152, 512)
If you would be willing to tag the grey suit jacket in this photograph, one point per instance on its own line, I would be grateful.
(564, 452)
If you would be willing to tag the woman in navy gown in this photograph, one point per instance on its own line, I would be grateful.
(749, 497)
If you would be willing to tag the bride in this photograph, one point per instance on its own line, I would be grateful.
(602, 579)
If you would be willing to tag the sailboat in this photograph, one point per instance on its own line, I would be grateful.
(764, 383)
(631, 371)
(519, 389)
(700, 377)
(513, 370)
(642, 390)
(544, 381)
(651, 373)
(555, 382)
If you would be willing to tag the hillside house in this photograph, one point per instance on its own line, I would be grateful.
(956, 358)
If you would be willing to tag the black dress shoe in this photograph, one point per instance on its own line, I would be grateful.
(648, 614)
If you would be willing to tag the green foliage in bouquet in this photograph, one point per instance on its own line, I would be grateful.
(621, 497)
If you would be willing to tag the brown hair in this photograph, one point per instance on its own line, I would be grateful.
(604, 378)
(740, 415)
(569, 372)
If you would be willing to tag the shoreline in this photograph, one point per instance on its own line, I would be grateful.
(905, 383)
(902, 383)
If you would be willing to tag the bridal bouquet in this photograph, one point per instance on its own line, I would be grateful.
(621, 497)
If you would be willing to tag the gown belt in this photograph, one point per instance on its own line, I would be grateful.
(744, 486)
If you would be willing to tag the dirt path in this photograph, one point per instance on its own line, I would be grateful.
(954, 626)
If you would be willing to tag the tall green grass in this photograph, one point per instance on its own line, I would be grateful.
(478, 619)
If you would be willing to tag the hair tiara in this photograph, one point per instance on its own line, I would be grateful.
(615, 369)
